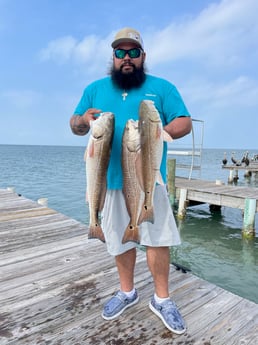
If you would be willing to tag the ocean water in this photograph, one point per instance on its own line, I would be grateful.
(212, 245)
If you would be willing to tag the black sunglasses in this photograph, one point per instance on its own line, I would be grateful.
(133, 53)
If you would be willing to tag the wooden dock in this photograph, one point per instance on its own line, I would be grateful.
(216, 194)
(233, 170)
(200, 191)
(54, 281)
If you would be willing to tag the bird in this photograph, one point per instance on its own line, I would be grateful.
(224, 160)
(247, 160)
(243, 158)
(234, 161)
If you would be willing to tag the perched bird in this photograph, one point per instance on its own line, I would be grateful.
(243, 159)
(234, 161)
(224, 160)
(247, 160)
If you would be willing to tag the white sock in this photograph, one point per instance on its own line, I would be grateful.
(159, 300)
(129, 294)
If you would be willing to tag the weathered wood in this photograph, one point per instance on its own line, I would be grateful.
(249, 218)
(54, 281)
(216, 194)
(171, 167)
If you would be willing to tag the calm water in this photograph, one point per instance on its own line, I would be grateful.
(212, 244)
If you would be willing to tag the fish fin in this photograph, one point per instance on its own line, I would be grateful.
(166, 136)
(160, 179)
(131, 234)
(90, 150)
(96, 232)
(159, 132)
(103, 196)
(147, 215)
(138, 168)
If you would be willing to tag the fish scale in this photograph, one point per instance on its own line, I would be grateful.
(131, 165)
(152, 149)
(97, 159)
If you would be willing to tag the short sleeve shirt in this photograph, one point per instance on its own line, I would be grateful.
(103, 94)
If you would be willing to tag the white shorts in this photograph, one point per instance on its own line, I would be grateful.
(115, 218)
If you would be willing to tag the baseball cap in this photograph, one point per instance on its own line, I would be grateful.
(127, 35)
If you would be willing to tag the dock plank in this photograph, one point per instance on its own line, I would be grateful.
(211, 193)
(54, 281)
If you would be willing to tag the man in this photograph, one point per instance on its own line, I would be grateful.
(121, 94)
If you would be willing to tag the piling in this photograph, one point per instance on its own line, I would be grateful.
(182, 204)
(171, 168)
(43, 201)
(249, 218)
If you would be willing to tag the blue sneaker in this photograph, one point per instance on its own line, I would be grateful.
(117, 304)
(167, 311)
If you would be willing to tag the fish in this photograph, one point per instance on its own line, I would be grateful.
(97, 157)
(132, 170)
(152, 136)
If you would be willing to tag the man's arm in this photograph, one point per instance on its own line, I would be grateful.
(179, 127)
(80, 124)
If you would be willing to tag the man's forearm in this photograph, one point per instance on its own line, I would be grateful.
(179, 127)
(78, 125)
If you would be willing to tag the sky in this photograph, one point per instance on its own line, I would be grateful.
(50, 50)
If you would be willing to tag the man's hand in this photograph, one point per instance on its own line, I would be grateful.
(89, 115)
(80, 125)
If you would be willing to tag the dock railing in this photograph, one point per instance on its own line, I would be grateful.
(188, 153)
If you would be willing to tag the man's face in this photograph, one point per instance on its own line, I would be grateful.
(127, 64)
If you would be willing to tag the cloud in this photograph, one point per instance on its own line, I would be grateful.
(220, 34)
(60, 50)
(240, 92)
(91, 51)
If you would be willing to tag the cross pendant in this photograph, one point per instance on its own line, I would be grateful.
(124, 95)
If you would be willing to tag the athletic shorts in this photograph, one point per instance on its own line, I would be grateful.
(115, 218)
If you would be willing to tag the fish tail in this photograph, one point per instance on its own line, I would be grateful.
(146, 215)
(131, 234)
(95, 231)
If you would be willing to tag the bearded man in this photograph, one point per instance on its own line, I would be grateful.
(121, 93)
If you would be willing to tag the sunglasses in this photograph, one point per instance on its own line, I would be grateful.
(133, 53)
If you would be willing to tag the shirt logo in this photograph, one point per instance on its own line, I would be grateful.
(150, 95)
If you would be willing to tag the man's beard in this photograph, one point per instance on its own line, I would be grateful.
(127, 81)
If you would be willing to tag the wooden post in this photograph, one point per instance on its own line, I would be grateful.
(236, 175)
(182, 204)
(230, 178)
(249, 218)
(171, 167)
(43, 201)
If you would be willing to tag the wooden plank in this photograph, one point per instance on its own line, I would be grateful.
(52, 290)
(209, 192)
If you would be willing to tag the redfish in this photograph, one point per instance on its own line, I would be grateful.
(97, 159)
(152, 136)
(132, 171)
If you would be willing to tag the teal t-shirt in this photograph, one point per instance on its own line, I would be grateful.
(103, 94)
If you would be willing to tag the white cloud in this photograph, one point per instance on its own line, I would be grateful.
(240, 92)
(59, 50)
(91, 52)
(221, 34)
